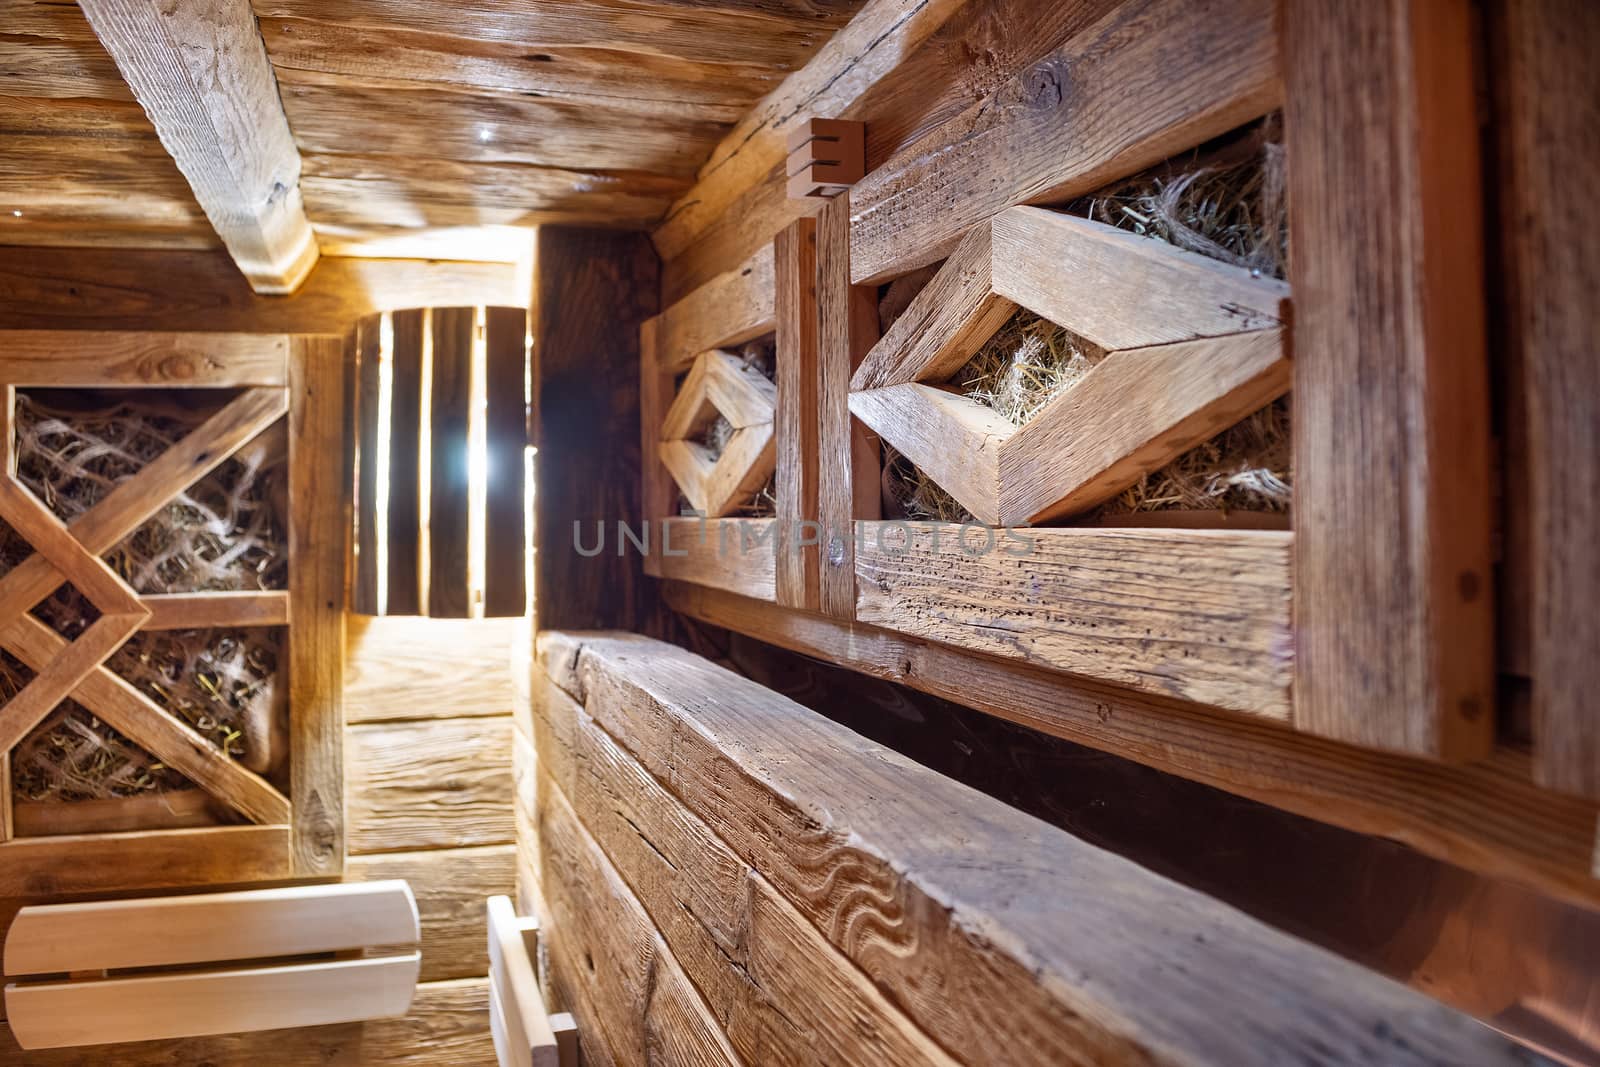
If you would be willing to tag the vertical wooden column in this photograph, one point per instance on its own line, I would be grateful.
(506, 422)
(1392, 579)
(319, 535)
(591, 291)
(1548, 120)
(405, 421)
(364, 590)
(656, 489)
(848, 464)
(449, 400)
(795, 299)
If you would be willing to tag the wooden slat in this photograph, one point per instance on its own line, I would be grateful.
(1547, 118)
(1135, 412)
(514, 990)
(147, 859)
(505, 548)
(213, 610)
(1488, 818)
(732, 554)
(201, 73)
(127, 710)
(94, 359)
(901, 868)
(393, 668)
(954, 440)
(657, 491)
(149, 811)
(447, 1026)
(587, 422)
(60, 1014)
(1219, 65)
(449, 886)
(461, 801)
(209, 927)
(1393, 582)
(797, 375)
(777, 989)
(7, 816)
(319, 532)
(141, 289)
(405, 436)
(449, 416)
(733, 307)
(1197, 614)
(59, 676)
(848, 486)
(365, 357)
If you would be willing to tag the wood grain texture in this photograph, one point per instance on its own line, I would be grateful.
(904, 886)
(463, 799)
(736, 306)
(798, 377)
(1547, 118)
(1488, 818)
(586, 421)
(191, 611)
(506, 429)
(1393, 585)
(405, 462)
(398, 668)
(1195, 614)
(131, 289)
(113, 359)
(1069, 124)
(449, 404)
(146, 859)
(319, 532)
(365, 355)
(954, 440)
(448, 1026)
(449, 885)
(732, 554)
(201, 73)
(658, 492)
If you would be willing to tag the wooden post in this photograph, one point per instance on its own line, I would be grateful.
(1392, 580)
(795, 297)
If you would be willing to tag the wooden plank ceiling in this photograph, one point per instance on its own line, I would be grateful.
(414, 118)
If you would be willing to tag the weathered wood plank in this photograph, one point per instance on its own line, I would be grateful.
(1197, 614)
(901, 869)
(797, 376)
(116, 360)
(506, 426)
(449, 885)
(201, 73)
(733, 307)
(732, 554)
(1488, 817)
(1547, 118)
(463, 799)
(400, 667)
(449, 404)
(136, 289)
(146, 859)
(200, 611)
(448, 1026)
(1393, 579)
(319, 533)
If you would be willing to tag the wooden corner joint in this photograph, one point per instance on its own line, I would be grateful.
(826, 157)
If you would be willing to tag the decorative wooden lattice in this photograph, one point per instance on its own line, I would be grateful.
(720, 384)
(1192, 347)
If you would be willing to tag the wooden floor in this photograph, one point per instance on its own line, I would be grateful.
(428, 799)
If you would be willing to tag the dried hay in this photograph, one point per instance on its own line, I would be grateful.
(226, 532)
(1225, 201)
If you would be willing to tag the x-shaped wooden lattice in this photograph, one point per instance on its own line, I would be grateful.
(720, 383)
(65, 553)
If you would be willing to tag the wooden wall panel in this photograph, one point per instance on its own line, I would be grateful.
(1394, 616)
(399, 668)
(593, 291)
(429, 784)
(450, 886)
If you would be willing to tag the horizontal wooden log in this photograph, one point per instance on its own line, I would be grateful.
(447, 1026)
(392, 668)
(1197, 614)
(114, 360)
(916, 879)
(198, 611)
(1219, 70)
(151, 859)
(733, 307)
(449, 886)
(1488, 818)
(731, 554)
(460, 801)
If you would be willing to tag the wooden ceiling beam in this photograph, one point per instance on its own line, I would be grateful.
(201, 73)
